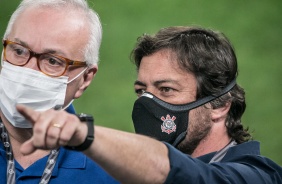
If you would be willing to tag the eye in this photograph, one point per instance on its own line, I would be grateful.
(18, 50)
(139, 92)
(52, 60)
(166, 89)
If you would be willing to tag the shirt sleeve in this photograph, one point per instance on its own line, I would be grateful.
(246, 169)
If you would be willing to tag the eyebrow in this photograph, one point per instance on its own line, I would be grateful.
(49, 51)
(156, 83)
(21, 42)
(159, 82)
(139, 83)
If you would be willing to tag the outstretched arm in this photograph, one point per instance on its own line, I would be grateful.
(130, 158)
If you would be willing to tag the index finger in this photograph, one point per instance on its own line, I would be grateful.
(28, 113)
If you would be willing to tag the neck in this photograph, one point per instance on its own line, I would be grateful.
(216, 140)
(17, 137)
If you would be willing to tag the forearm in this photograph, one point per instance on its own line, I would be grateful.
(128, 157)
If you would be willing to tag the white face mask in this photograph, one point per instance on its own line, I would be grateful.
(21, 85)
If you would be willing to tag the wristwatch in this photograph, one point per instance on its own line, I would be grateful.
(89, 120)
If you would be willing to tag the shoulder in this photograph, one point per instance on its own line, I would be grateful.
(241, 164)
(82, 168)
(248, 154)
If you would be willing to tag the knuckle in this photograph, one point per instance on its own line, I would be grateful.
(38, 130)
(52, 135)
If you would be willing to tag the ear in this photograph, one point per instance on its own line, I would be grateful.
(220, 113)
(86, 80)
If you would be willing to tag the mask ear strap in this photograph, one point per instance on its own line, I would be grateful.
(200, 102)
(78, 75)
(179, 138)
(207, 99)
(64, 108)
(191, 105)
(2, 59)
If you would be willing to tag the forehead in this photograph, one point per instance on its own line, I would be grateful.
(162, 62)
(51, 16)
(161, 70)
(163, 65)
(42, 27)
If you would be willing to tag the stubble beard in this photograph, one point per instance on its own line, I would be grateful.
(199, 127)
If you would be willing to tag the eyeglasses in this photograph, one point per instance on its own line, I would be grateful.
(49, 64)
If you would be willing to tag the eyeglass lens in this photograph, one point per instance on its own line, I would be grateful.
(49, 64)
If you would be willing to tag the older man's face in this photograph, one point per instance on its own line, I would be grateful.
(63, 33)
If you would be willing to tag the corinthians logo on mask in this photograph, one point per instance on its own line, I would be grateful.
(168, 125)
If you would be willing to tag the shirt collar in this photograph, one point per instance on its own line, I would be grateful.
(247, 148)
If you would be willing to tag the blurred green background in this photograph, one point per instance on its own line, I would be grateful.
(254, 28)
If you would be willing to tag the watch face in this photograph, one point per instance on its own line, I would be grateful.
(85, 117)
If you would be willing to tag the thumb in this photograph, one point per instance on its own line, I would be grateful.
(28, 113)
(27, 147)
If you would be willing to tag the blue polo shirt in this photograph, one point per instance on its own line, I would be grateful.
(71, 168)
(242, 164)
(70, 109)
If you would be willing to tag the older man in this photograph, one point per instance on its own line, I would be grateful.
(50, 57)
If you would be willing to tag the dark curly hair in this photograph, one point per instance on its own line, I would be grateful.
(210, 57)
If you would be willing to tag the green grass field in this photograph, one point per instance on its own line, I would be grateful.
(254, 28)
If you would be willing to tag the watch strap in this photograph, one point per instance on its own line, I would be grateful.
(89, 120)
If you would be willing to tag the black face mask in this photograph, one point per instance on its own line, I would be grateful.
(164, 121)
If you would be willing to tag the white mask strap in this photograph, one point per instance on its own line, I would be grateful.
(2, 57)
(77, 75)
(64, 108)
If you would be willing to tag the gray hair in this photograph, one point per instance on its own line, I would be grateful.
(91, 50)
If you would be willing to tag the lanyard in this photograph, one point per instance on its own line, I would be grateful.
(11, 172)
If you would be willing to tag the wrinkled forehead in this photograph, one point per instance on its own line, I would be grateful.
(47, 12)
(57, 7)
(167, 53)
(44, 14)
(48, 28)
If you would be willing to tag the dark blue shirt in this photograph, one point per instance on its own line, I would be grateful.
(242, 164)
(71, 168)
(70, 109)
